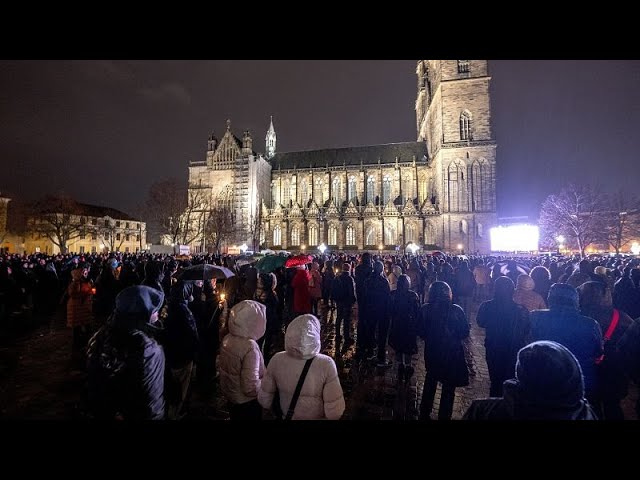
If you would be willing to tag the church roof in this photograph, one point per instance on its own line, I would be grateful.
(367, 155)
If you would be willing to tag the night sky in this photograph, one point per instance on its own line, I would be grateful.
(103, 131)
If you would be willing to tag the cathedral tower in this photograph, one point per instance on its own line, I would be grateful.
(270, 140)
(453, 116)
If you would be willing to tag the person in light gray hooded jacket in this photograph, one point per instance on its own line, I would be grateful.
(241, 361)
(321, 396)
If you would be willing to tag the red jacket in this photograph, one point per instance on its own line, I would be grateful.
(301, 296)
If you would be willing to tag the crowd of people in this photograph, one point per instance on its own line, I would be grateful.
(561, 340)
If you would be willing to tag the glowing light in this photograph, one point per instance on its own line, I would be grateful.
(380, 247)
(101, 246)
(560, 238)
(304, 247)
(413, 247)
(322, 247)
(244, 248)
(459, 246)
(635, 248)
(223, 296)
(514, 238)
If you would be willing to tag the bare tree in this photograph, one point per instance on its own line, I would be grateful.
(576, 213)
(112, 236)
(190, 222)
(621, 219)
(56, 217)
(219, 225)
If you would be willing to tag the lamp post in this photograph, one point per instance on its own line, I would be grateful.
(244, 248)
(460, 248)
(322, 247)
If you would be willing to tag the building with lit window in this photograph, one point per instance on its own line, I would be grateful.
(436, 192)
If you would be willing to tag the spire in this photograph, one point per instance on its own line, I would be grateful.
(228, 125)
(270, 141)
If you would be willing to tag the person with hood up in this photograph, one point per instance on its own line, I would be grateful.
(564, 324)
(507, 327)
(153, 275)
(125, 363)
(241, 362)
(321, 396)
(405, 312)
(548, 385)
(301, 294)
(526, 296)
(444, 327)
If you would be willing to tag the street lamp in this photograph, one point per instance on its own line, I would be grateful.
(460, 248)
(322, 247)
(413, 247)
(380, 247)
(244, 248)
(303, 247)
(560, 238)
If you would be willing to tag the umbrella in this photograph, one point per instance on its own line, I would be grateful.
(270, 263)
(298, 260)
(246, 261)
(504, 268)
(205, 272)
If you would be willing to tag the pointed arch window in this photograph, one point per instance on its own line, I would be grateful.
(336, 191)
(351, 235)
(389, 234)
(456, 187)
(318, 190)
(353, 194)
(333, 235)
(286, 193)
(410, 233)
(371, 236)
(295, 236)
(480, 175)
(386, 189)
(313, 234)
(274, 195)
(465, 126)
(463, 66)
(371, 189)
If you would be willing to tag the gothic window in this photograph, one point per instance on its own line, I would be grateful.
(277, 235)
(464, 227)
(351, 235)
(295, 236)
(304, 195)
(457, 188)
(262, 236)
(371, 189)
(389, 234)
(407, 186)
(386, 189)
(286, 193)
(423, 193)
(313, 234)
(410, 233)
(336, 191)
(465, 126)
(353, 194)
(429, 234)
(333, 235)
(463, 66)
(371, 236)
(480, 185)
(479, 230)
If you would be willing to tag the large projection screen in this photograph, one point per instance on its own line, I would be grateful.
(514, 238)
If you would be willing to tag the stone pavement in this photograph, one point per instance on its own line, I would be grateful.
(38, 381)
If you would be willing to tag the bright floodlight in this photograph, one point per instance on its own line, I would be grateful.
(635, 248)
(560, 238)
(244, 247)
(322, 247)
(514, 238)
(413, 247)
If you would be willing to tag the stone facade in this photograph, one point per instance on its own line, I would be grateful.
(437, 192)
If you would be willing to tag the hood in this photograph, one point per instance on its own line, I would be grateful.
(302, 339)
(525, 282)
(248, 319)
(397, 271)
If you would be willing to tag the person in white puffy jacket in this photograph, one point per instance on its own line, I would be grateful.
(321, 396)
(241, 362)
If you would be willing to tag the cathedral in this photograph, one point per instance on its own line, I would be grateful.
(437, 192)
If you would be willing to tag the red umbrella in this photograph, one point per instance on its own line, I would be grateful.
(298, 260)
